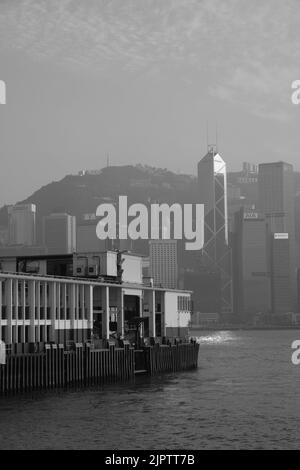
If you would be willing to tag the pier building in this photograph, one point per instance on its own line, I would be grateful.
(82, 297)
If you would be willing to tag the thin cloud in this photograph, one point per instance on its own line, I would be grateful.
(250, 50)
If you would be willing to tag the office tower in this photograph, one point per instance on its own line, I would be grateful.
(163, 263)
(251, 277)
(206, 286)
(297, 228)
(216, 255)
(22, 224)
(282, 298)
(276, 201)
(242, 191)
(86, 238)
(246, 181)
(276, 196)
(298, 290)
(250, 168)
(59, 233)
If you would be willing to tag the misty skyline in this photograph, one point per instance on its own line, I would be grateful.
(140, 80)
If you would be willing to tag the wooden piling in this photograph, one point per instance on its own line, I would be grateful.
(83, 365)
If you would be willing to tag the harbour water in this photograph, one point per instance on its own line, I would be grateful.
(245, 394)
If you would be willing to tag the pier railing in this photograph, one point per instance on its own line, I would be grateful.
(57, 367)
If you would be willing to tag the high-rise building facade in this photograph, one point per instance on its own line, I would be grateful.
(216, 254)
(86, 238)
(59, 233)
(22, 224)
(242, 191)
(276, 196)
(205, 284)
(281, 286)
(251, 272)
(164, 263)
(277, 202)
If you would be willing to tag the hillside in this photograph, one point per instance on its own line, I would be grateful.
(79, 194)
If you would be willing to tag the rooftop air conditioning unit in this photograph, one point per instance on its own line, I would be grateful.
(93, 270)
(80, 271)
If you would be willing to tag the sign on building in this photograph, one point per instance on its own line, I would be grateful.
(250, 215)
(281, 236)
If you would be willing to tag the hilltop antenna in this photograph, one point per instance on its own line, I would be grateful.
(107, 160)
(217, 137)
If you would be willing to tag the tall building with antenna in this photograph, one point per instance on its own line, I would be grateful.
(216, 254)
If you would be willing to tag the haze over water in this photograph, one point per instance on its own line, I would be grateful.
(245, 394)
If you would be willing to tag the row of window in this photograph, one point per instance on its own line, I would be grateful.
(43, 313)
(44, 290)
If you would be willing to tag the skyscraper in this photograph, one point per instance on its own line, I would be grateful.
(212, 181)
(276, 196)
(86, 237)
(282, 298)
(22, 224)
(251, 271)
(242, 191)
(276, 201)
(59, 233)
(163, 263)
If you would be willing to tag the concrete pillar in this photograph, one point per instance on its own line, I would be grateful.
(58, 304)
(141, 315)
(31, 301)
(8, 302)
(105, 314)
(45, 308)
(152, 313)
(45, 299)
(89, 298)
(82, 301)
(15, 308)
(163, 314)
(38, 309)
(23, 304)
(64, 302)
(52, 305)
(77, 286)
(16, 297)
(1, 338)
(72, 305)
(120, 307)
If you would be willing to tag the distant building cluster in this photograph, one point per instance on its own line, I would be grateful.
(58, 232)
(22, 225)
(248, 269)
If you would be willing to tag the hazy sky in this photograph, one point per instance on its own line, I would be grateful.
(139, 80)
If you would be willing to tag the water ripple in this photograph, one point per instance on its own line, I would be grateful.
(245, 394)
